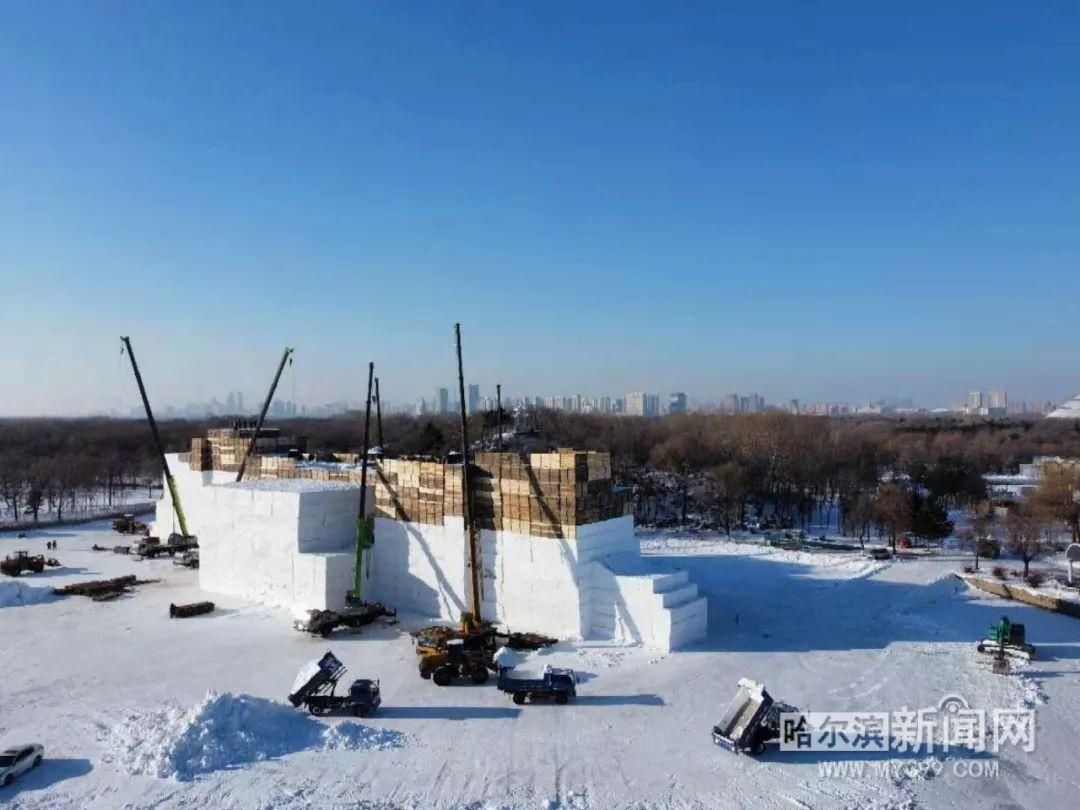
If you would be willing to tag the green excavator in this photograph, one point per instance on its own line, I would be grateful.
(1005, 639)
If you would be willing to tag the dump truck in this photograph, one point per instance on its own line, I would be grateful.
(1007, 638)
(556, 683)
(751, 719)
(22, 561)
(315, 685)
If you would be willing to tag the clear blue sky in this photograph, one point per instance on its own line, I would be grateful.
(827, 201)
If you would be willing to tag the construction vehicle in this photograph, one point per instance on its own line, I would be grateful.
(478, 639)
(170, 482)
(556, 683)
(22, 561)
(189, 559)
(365, 530)
(476, 636)
(457, 660)
(462, 649)
(285, 357)
(315, 685)
(1007, 638)
(324, 622)
(127, 524)
(150, 547)
(357, 611)
(751, 720)
(147, 547)
(189, 610)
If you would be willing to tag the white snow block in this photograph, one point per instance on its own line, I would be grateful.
(636, 601)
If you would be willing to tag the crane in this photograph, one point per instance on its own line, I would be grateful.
(285, 357)
(170, 482)
(357, 613)
(378, 416)
(470, 527)
(364, 537)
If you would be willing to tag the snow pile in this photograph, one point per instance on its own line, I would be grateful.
(15, 594)
(226, 730)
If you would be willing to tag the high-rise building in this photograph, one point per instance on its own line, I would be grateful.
(677, 403)
(603, 404)
(730, 403)
(639, 403)
(974, 400)
(443, 400)
(998, 399)
(474, 398)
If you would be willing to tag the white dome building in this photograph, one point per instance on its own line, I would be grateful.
(1070, 410)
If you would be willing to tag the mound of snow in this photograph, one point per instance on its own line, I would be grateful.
(227, 730)
(14, 593)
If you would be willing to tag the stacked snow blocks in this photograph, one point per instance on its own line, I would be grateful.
(533, 583)
(287, 547)
(420, 568)
(595, 585)
(658, 608)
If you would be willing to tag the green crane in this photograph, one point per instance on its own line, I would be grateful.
(286, 357)
(170, 482)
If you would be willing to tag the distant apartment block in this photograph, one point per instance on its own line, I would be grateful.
(677, 403)
(639, 403)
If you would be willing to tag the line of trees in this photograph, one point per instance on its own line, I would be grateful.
(899, 476)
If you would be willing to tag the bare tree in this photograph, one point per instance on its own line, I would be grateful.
(1025, 529)
(12, 481)
(726, 494)
(1057, 495)
(892, 511)
(981, 530)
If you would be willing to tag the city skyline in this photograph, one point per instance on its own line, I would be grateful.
(991, 403)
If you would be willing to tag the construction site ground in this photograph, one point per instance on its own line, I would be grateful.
(824, 631)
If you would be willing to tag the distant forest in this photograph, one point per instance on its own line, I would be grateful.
(716, 464)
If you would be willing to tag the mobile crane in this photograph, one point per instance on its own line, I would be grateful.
(448, 654)
(185, 538)
(357, 612)
(285, 357)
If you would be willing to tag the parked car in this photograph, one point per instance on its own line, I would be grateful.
(14, 762)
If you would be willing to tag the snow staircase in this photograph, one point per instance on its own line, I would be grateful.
(636, 600)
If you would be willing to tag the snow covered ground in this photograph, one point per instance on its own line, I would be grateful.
(118, 694)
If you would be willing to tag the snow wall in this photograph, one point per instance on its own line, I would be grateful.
(285, 542)
(289, 542)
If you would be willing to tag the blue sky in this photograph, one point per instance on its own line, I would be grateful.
(826, 201)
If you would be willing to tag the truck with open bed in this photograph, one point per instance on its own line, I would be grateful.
(751, 719)
(315, 685)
